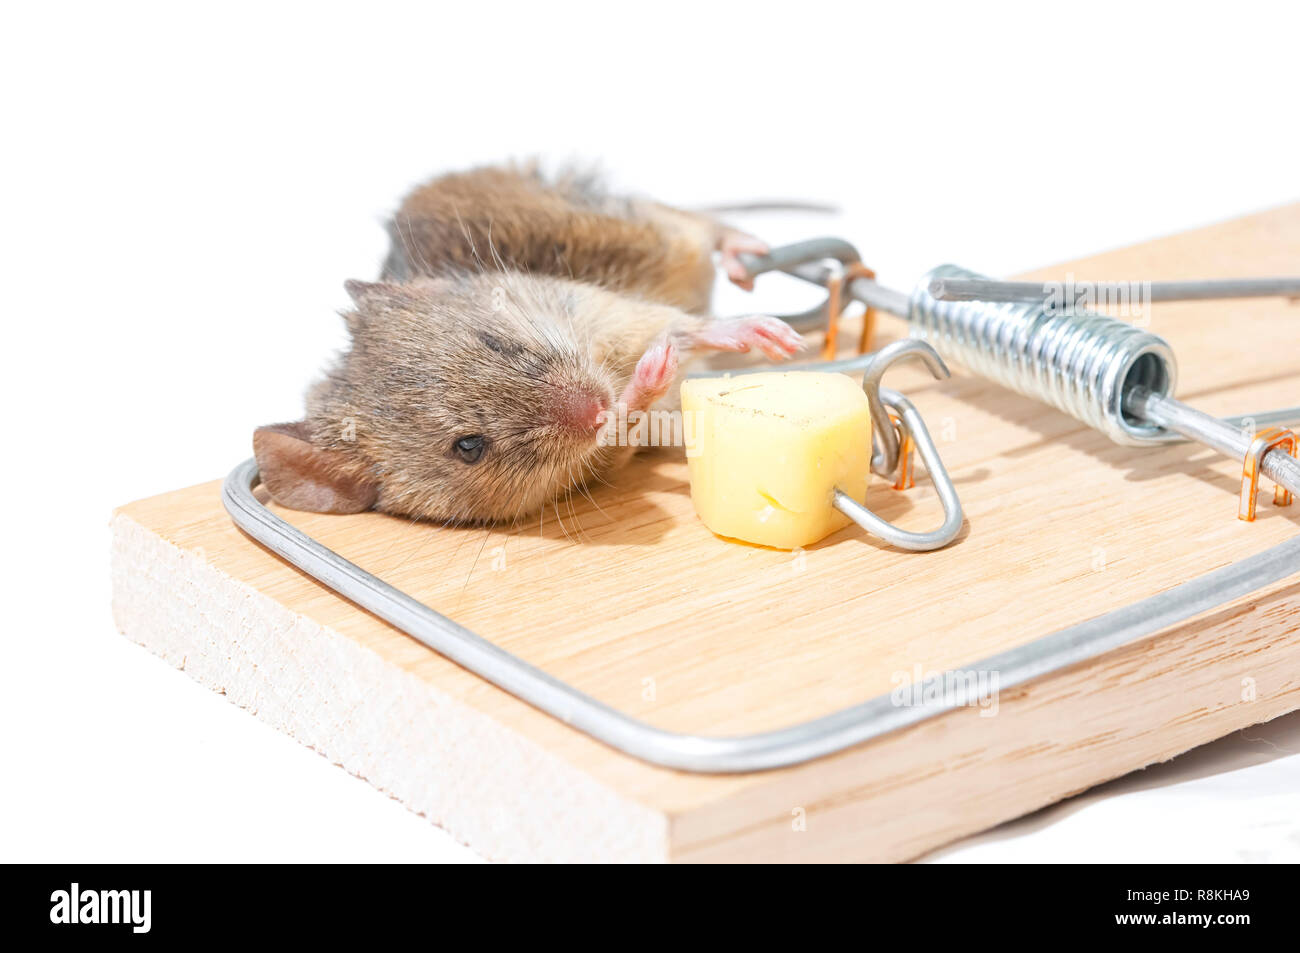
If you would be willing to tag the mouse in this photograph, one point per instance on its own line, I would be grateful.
(517, 316)
(568, 224)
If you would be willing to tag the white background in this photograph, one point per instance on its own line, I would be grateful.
(185, 189)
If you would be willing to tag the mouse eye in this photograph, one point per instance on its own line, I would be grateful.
(470, 448)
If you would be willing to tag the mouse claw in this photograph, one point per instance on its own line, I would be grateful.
(732, 245)
(772, 336)
(654, 375)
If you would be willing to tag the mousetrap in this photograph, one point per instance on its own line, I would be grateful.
(661, 694)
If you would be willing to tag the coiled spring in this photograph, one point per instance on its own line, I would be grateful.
(1079, 362)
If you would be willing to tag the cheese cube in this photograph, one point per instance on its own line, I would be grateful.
(765, 451)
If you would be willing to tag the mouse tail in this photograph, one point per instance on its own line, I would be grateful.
(769, 205)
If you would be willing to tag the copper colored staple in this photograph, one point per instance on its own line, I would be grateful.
(1274, 438)
(835, 282)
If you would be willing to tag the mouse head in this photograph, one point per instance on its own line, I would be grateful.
(466, 399)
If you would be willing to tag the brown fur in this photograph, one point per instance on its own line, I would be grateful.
(512, 305)
(492, 354)
(565, 226)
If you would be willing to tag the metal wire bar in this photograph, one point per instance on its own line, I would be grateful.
(740, 753)
(1211, 432)
(1285, 416)
(988, 289)
(807, 259)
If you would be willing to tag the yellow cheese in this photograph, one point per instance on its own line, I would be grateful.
(765, 452)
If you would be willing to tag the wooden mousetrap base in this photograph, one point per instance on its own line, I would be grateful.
(630, 599)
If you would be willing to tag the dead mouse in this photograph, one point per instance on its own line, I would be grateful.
(516, 312)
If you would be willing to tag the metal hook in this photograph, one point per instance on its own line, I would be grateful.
(885, 460)
(952, 513)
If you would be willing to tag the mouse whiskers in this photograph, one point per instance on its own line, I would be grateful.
(559, 519)
(469, 238)
(573, 514)
(473, 565)
(492, 249)
(409, 245)
(586, 473)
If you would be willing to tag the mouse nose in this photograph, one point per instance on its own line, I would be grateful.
(581, 410)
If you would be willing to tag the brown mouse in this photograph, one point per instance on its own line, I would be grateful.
(516, 316)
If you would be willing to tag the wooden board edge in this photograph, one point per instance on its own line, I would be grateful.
(489, 786)
(912, 791)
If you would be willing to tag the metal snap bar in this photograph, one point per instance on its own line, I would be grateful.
(777, 748)
(836, 265)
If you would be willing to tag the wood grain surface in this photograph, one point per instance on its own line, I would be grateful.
(625, 595)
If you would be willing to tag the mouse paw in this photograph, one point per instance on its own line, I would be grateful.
(771, 335)
(653, 376)
(732, 245)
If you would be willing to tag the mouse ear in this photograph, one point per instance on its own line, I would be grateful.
(362, 291)
(302, 476)
(413, 290)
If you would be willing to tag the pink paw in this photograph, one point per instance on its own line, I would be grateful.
(732, 246)
(771, 335)
(653, 376)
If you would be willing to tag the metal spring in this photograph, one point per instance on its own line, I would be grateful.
(1079, 362)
